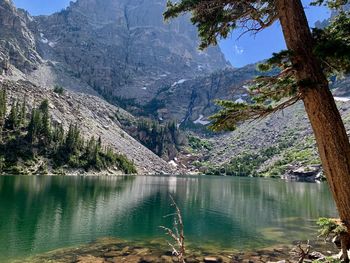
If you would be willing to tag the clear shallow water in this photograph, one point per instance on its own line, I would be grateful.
(39, 214)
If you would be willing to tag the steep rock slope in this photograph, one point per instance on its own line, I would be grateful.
(273, 146)
(118, 50)
(94, 116)
(17, 40)
(193, 100)
(124, 48)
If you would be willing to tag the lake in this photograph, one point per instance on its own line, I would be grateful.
(40, 214)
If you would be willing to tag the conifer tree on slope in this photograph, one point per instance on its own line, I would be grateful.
(2, 110)
(303, 75)
(45, 121)
(12, 122)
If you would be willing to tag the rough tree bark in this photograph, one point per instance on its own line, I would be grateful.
(332, 140)
(345, 246)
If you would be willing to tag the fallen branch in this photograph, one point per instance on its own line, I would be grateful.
(301, 251)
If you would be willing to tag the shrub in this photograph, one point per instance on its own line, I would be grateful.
(59, 89)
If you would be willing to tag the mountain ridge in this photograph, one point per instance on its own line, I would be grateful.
(123, 53)
(119, 50)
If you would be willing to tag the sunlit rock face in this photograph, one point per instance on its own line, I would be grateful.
(193, 100)
(124, 47)
(17, 41)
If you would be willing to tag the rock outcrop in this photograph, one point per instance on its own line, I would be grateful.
(193, 100)
(17, 39)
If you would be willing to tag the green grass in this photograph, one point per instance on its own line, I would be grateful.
(199, 144)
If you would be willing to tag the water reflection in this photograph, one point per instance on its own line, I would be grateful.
(44, 213)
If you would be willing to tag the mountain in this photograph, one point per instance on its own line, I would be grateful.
(123, 53)
(276, 145)
(31, 67)
(122, 66)
(124, 48)
(17, 39)
(120, 50)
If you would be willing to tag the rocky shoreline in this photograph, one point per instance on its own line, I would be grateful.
(111, 250)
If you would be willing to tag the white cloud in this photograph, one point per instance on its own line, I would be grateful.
(238, 50)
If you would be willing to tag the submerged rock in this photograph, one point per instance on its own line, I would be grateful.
(110, 250)
(90, 259)
(211, 260)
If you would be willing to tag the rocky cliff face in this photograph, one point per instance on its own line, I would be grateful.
(279, 144)
(115, 49)
(123, 48)
(32, 62)
(192, 100)
(17, 40)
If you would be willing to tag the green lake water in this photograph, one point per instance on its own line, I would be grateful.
(40, 214)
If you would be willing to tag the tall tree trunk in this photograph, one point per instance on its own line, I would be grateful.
(332, 140)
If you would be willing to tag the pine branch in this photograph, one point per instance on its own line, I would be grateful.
(235, 113)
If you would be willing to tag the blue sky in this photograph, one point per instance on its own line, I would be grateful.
(42, 7)
(245, 50)
(252, 48)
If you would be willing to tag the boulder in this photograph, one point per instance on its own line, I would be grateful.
(304, 174)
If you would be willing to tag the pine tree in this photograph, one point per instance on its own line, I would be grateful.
(70, 140)
(45, 130)
(18, 114)
(90, 147)
(304, 67)
(99, 144)
(73, 142)
(58, 136)
(2, 105)
(79, 141)
(2, 111)
(34, 126)
(96, 157)
(23, 113)
(111, 157)
(12, 122)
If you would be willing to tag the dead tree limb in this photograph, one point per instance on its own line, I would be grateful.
(177, 233)
(301, 251)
